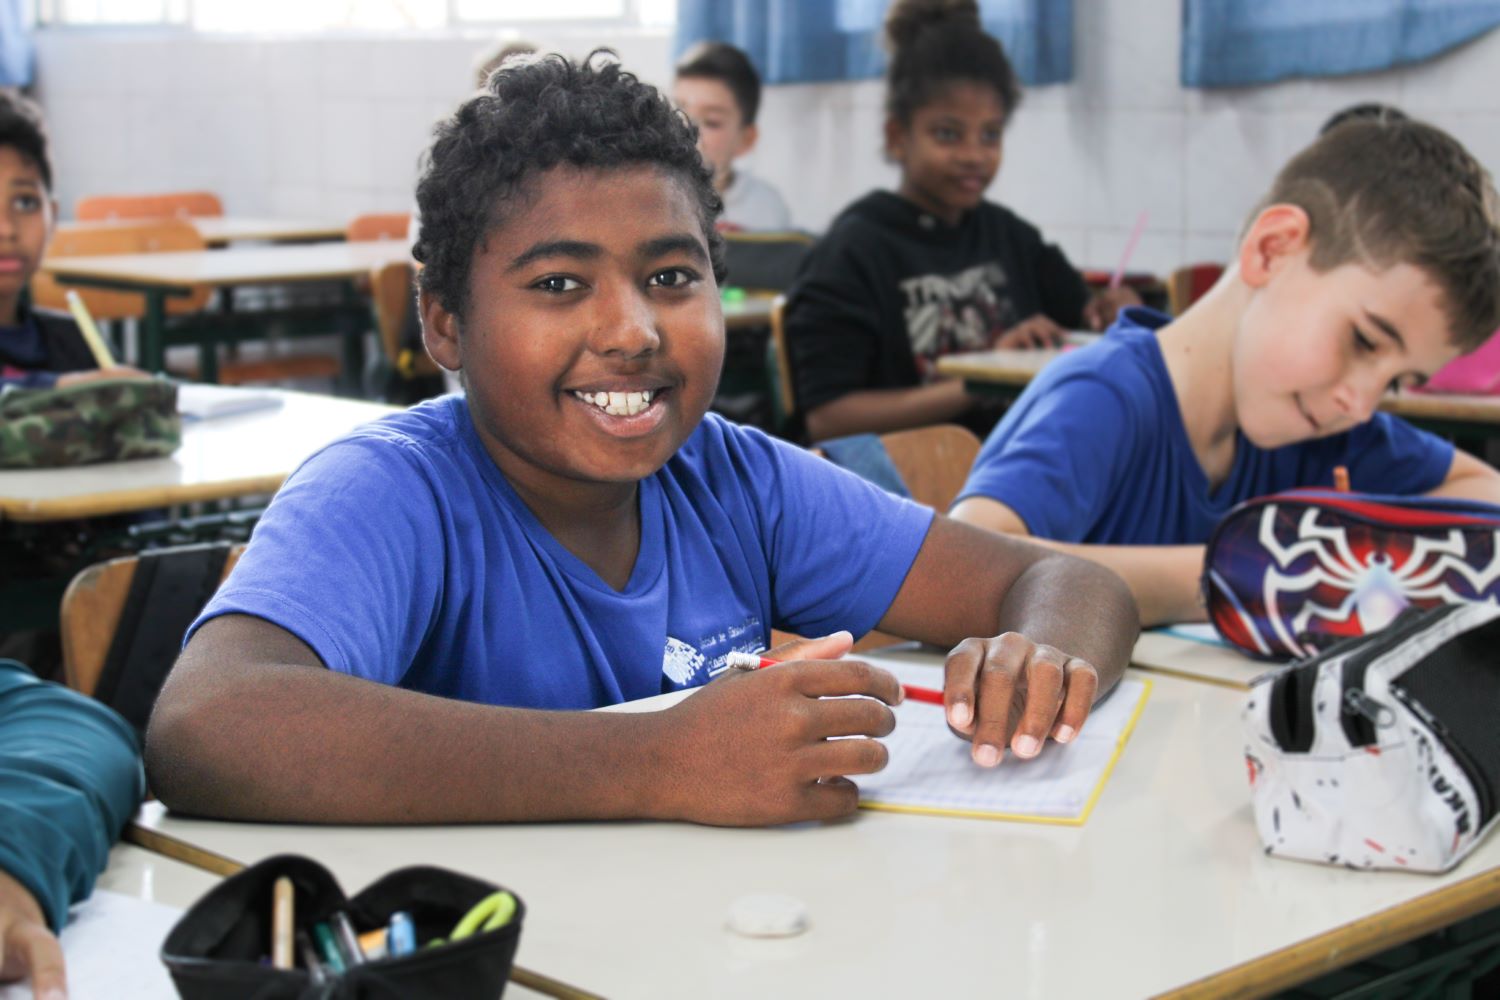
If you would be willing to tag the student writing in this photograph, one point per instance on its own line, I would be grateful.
(1372, 262)
(427, 604)
(905, 277)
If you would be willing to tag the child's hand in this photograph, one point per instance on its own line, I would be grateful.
(1101, 309)
(1034, 331)
(754, 747)
(27, 945)
(1011, 690)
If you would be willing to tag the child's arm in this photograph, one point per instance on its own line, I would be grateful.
(1077, 620)
(1470, 479)
(1163, 579)
(877, 411)
(320, 746)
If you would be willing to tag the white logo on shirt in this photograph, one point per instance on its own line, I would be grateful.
(680, 662)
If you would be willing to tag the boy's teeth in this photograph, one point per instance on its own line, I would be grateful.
(619, 404)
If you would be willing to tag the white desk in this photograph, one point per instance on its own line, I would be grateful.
(1165, 888)
(142, 874)
(1162, 652)
(242, 455)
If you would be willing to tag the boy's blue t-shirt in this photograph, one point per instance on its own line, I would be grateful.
(401, 554)
(1095, 451)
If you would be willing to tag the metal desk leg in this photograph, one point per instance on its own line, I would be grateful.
(154, 331)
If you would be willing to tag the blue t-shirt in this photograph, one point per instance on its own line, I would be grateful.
(401, 554)
(1095, 451)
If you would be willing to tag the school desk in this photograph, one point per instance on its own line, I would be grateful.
(1165, 889)
(1160, 651)
(159, 276)
(748, 311)
(151, 876)
(1006, 372)
(234, 456)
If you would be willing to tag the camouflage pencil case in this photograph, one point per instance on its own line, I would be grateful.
(104, 421)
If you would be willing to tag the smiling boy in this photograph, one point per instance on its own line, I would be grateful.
(428, 605)
(1373, 261)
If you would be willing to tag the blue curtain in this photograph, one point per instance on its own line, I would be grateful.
(807, 41)
(1228, 43)
(15, 44)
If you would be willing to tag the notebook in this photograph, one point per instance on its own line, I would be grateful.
(931, 771)
(200, 401)
(112, 945)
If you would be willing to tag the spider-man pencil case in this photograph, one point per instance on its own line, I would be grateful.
(1288, 574)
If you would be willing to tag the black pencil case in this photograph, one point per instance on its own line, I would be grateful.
(217, 950)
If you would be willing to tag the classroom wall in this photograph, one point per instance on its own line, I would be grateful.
(334, 126)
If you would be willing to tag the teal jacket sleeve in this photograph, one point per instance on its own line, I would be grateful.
(70, 779)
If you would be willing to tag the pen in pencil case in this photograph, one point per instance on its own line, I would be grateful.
(754, 661)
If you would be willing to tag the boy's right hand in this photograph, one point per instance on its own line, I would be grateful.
(27, 945)
(1033, 332)
(754, 747)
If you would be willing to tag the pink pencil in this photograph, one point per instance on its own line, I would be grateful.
(1135, 237)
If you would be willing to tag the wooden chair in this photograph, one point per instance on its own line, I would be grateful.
(171, 205)
(149, 236)
(391, 292)
(1189, 284)
(780, 364)
(91, 608)
(378, 226)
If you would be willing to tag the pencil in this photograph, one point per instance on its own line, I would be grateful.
(281, 924)
(90, 331)
(1135, 237)
(1341, 478)
(931, 696)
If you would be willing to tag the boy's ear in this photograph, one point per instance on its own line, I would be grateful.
(1277, 234)
(748, 136)
(439, 331)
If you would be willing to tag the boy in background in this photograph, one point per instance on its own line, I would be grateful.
(1373, 261)
(719, 90)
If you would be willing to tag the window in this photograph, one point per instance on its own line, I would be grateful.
(299, 16)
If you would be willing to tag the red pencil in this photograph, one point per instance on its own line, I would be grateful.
(931, 696)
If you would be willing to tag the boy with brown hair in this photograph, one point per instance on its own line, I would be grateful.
(1373, 261)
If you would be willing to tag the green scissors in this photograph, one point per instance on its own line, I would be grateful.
(490, 913)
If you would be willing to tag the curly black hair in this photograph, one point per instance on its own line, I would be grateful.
(535, 114)
(22, 129)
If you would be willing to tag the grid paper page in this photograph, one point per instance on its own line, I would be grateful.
(931, 769)
(111, 945)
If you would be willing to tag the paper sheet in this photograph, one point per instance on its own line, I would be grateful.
(112, 945)
(1197, 632)
(199, 401)
(931, 770)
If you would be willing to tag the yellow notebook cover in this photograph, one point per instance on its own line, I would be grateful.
(931, 771)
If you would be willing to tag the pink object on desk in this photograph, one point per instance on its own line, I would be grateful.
(1476, 373)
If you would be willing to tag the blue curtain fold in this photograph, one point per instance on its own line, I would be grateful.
(814, 41)
(1228, 43)
(15, 44)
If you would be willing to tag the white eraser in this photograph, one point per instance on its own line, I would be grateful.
(767, 914)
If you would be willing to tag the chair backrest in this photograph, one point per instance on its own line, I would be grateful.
(1189, 284)
(154, 236)
(378, 226)
(933, 461)
(91, 608)
(391, 297)
(780, 363)
(764, 261)
(171, 205)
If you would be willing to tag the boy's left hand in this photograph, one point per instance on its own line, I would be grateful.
(1010, 690)
(27, 945)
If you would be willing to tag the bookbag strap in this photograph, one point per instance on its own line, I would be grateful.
(168, 590)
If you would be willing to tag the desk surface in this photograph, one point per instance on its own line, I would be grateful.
(1015, 369)
(751, 310)
(224, 457)
(224, 268)
(148, 875)
(221, 230)
(1160, 651)
(1165, 887)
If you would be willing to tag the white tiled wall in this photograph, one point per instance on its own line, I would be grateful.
(332, 127)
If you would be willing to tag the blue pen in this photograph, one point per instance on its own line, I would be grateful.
(401, 935)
